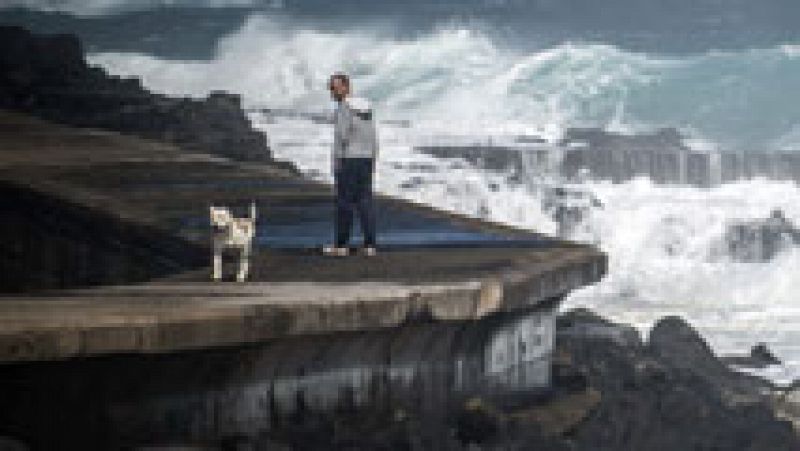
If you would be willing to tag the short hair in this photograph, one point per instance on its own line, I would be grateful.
(341, 76)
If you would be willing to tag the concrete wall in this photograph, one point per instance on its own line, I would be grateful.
(203, 396)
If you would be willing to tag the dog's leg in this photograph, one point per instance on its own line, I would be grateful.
(217, 259)
(244, 264)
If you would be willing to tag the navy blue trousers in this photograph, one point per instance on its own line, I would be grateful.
(354, 194)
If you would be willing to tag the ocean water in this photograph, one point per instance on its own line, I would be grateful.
(462, 80)
(456, 84)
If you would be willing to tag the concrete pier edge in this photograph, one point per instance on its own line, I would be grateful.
(165, 318)
(181, 311)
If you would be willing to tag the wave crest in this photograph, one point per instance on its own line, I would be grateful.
(458, 80)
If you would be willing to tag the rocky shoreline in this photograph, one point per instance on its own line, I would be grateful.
(610, 391)
(47, 76)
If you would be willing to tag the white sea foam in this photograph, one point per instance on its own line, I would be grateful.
(459, 80)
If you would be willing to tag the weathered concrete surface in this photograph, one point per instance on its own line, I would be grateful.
(168, 317)
(459, 269)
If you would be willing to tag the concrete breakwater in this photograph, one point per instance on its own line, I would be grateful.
(157, 356)
(173, 358)
(598, 155)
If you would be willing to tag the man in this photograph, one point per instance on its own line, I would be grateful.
(355, 148)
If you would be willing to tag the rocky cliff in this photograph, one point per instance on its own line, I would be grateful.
(47, 76)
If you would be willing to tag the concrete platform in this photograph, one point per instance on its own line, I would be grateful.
(432, 265)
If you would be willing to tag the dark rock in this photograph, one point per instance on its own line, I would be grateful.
(762, 239)
(475, 423)
(676, 343)
(569, 378)
(763, 354)
(672, 394)
(760, 356)
(47, 76)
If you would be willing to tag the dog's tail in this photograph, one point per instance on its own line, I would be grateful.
(253, 210)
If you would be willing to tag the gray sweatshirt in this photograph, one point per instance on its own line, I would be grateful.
(355, 134)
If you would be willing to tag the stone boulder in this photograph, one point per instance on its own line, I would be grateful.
(760, 240)
(759, 357)
(27, 60)
(678, 344)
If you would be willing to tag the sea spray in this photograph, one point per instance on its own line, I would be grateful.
(460, 80)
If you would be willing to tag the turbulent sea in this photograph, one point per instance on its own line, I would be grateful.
(457, 84)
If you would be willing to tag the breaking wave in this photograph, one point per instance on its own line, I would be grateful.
(457, 80)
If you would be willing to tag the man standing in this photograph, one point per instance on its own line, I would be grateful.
(355, 148)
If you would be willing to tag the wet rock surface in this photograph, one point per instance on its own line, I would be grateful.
(761, 239)
(759, 357)
(668, 393)
(47, 76)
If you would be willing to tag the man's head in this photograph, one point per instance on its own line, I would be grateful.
(339, 85)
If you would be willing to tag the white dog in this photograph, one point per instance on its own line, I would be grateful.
(228, 231)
